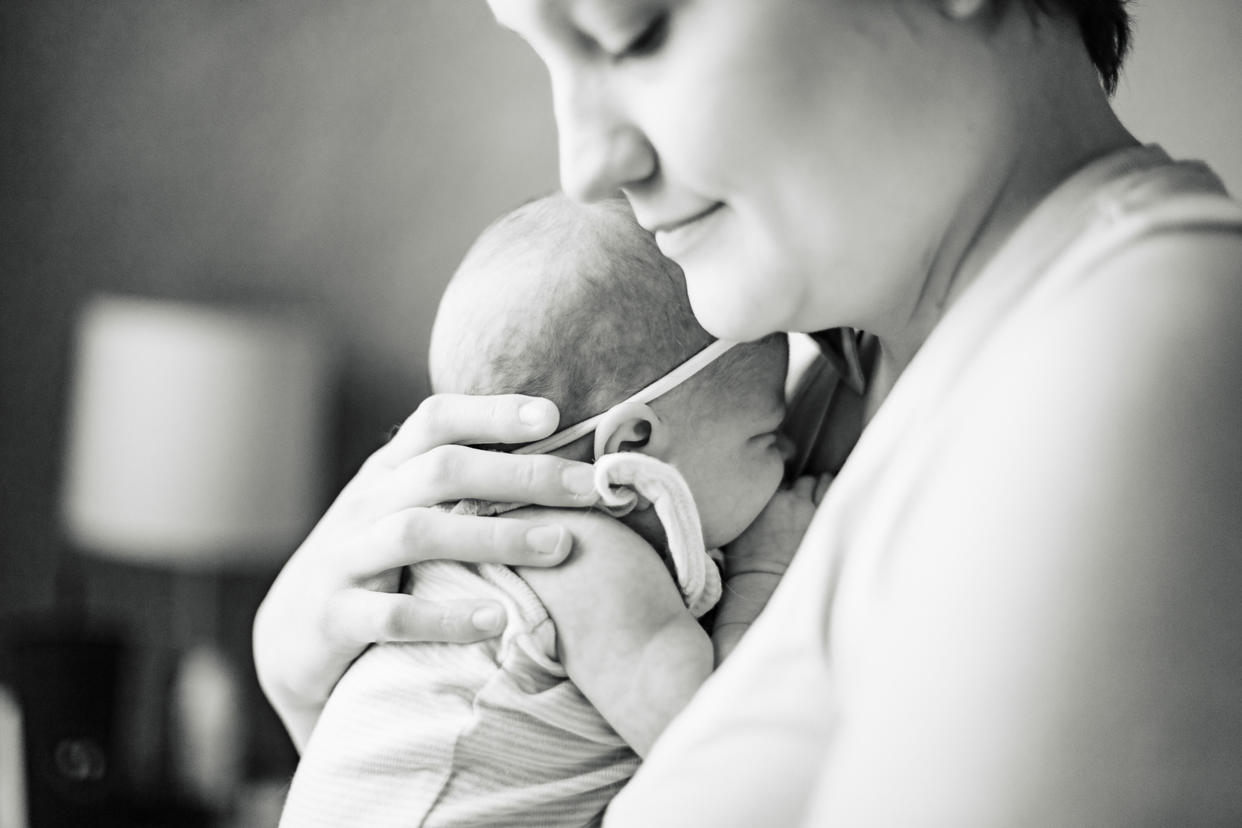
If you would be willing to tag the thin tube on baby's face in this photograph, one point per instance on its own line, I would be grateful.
(656, 389)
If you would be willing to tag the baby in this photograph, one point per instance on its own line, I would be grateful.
(544, 724)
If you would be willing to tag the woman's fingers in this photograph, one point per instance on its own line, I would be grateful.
(449, 473)
(336, 594)
(421, 534)
(364, 617)
(426, 462)
(464, 419)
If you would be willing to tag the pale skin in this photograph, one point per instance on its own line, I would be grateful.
(934, 743)
(638, 669)
(757, 558)
(339, 586)
(624, 634)
(336, 594)
(1132, 632)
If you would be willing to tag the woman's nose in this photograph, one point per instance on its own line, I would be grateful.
(601, 150)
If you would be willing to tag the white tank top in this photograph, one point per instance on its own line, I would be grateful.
(750, 748)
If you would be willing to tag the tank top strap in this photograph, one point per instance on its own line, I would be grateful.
(825, 408)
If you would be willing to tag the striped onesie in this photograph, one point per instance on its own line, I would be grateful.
(491, 733)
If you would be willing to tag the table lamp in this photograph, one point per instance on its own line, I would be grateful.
(196, 443)
(195, 434)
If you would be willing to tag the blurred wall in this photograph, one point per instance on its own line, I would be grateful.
(1182, 86)
(335, 154)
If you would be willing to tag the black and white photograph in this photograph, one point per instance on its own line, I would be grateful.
(637, 413)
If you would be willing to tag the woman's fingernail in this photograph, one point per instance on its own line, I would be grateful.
(546, 540)
(536, 413)
(579, 479)
(486, 618)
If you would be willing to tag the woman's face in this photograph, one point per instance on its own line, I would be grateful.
(800, 159)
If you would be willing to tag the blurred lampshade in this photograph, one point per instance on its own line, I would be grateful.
(196, 435)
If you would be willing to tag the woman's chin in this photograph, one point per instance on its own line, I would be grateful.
(722, 316)
(738, 305)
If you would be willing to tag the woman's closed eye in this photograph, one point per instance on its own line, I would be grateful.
(647, 41)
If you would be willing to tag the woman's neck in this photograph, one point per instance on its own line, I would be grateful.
(1073, 129)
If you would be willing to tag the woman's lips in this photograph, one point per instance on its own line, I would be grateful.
(676, 238)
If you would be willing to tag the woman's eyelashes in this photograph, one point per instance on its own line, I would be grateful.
(648, 40)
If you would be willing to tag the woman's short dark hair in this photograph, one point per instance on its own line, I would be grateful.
(1105, 28)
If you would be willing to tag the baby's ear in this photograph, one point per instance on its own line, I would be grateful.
(631, 426)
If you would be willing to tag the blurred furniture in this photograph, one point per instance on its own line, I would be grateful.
(195, 434)
(196, 443)
(66, 683)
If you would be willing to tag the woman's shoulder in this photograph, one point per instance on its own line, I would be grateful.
(1103, 428)
(1069, 570)
(1148, 341)
(1135, 370)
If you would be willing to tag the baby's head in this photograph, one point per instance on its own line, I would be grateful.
(575, 303)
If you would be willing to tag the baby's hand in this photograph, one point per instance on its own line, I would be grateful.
(768, 544)
(756, 560)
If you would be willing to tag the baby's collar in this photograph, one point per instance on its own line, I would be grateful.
(657, 389)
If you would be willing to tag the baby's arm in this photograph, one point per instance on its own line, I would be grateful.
(625, 637)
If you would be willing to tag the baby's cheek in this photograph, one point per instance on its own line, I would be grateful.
(723, 525)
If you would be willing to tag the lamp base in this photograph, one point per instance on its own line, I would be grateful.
(206, 742)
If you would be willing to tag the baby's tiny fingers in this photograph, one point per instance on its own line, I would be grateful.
(380, 617)
(804, 487)
(422, 534)
(821, 487)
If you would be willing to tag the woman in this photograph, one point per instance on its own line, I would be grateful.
(1019, 599)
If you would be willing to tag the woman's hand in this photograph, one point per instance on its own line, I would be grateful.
(756, 560)
(337, 593)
